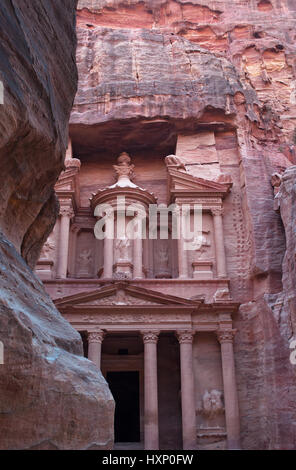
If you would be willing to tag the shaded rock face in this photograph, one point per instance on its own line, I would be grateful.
(287, 300)
(39, 77)
(152, 70)
(51, 397)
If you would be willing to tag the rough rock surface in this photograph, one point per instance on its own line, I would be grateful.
(287, 300)
(51, 397)
(152, 69)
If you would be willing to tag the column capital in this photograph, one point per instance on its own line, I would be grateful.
(225, 336)
(150, 336)
(217, 211)
(185, 336)
(96, 336)
(67, 211)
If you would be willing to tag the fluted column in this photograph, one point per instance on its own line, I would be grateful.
(66, 215)
(95, 340)
(219, 242)
(225, 338)
(109, 245)
(151, 432)
(187, 389)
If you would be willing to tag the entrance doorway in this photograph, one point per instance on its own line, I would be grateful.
(125, 388)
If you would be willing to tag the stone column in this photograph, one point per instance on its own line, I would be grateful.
(109, 245)
(138, 245)
(187, 390)
(182, 253)
(219, 242)
(138, 259)
(225, 338)
(73, 245)
(95, 340)
(151, 433)
(66, 215)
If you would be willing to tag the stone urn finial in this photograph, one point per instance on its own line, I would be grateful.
(124, 168)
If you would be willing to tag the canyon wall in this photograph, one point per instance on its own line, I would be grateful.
(215, 83)
(51, 397)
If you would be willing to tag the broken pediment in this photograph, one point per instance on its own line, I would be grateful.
(181, 183)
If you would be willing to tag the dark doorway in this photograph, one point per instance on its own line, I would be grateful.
(125, 390)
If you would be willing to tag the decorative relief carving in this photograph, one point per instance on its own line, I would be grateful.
(201, 244)
(226, 336)
(48, 249)
(122, 276)
(131, 318)
(96, 336)
(85, 260)
(164, 255)
(212, 403)
(150, 336)
(185, 336)
(67, 211)
(174, 161)
(242, 243)
(122, 248)
(121, 298)
(124, 166)
(162, 268)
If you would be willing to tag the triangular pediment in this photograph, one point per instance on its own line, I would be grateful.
(182, 182)
(122, 294)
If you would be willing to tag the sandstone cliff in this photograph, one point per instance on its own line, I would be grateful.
(51, 397)
(154, 69)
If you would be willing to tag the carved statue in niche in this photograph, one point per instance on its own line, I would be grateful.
(84, 262)
(122, 246)
(48, 250)
(212, 403)
(164, 255)
(161, 261)
(202, 243)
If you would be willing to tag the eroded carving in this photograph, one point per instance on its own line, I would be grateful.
(212, 403)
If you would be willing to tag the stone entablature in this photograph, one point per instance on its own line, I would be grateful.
(212, 290)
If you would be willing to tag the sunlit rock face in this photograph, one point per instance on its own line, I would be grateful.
(51, 397)
(212, 82)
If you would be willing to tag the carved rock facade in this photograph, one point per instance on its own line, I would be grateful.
(201, 95)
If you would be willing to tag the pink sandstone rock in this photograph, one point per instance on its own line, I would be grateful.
(51, 397)
(214, 83)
